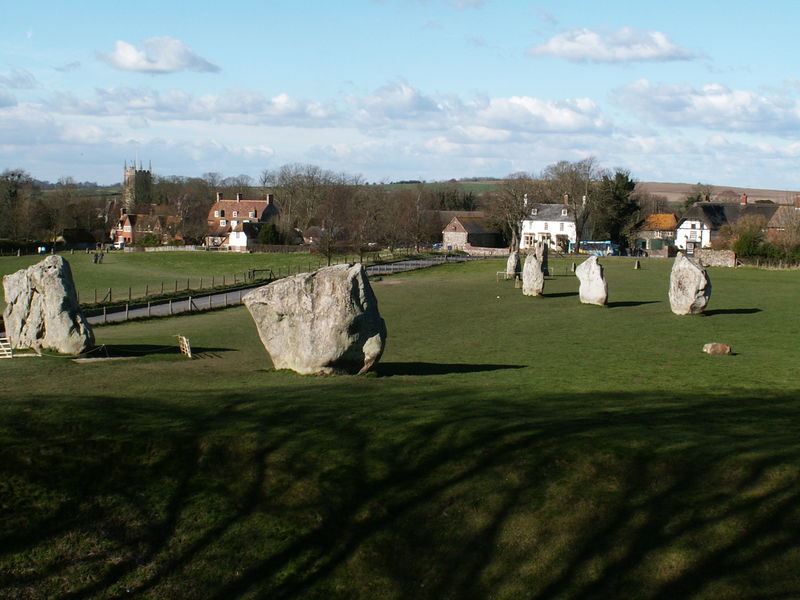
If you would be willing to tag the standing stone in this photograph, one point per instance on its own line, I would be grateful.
(532, 273)
(512, 265)
(593, 288)
(689, 286)
(542, 250)
(325, 322)
(42, 309)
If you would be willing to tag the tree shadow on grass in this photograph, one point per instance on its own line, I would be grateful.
(732, 311)
(389, 369)
(331, 492)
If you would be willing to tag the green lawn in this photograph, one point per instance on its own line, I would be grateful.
(148, 271)
(507, 447)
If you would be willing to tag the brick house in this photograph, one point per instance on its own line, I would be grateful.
(467, 232)
(131, 228)
(225, 216)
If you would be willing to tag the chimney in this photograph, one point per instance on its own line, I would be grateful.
(270, 198)
(219, 196)
(744, 199)
(238, 196)
(525, 201)
(797, 202)
(566, 198)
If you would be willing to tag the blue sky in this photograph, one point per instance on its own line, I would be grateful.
(684, 91)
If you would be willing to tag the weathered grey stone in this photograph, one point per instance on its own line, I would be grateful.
(512, 264)
(717, 348)
(689, 286)
(593, 288)
(325, 322)
(532, 272)
(42, 309)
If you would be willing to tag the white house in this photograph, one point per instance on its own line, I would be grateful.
(702, 222)
(550, 223)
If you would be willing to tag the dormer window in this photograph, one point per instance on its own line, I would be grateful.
(216, 214)
(236, 213)
(563, 212)
(252, 214)
(534, 211)
(223, 222)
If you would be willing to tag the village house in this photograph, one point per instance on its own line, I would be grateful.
(656, 235)
(553, 224)
(701, 224)
(225, 218)
(468, 232)
(131, 228)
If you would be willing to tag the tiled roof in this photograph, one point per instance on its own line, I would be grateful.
(550, 212)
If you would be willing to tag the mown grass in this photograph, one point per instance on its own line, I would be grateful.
(150, 271)
(507, 447)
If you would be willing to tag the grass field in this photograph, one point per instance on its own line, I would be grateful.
(148, 271)
(506, 447)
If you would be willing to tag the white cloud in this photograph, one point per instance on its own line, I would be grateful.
(525, 113)
(713, 106)
(625, 45)
(19, 79)
(160, 55)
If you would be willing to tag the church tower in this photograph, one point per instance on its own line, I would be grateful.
(137, 186)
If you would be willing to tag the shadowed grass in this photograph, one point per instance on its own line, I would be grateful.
(509, 447)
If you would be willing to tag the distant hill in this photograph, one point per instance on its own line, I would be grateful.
(677, 192)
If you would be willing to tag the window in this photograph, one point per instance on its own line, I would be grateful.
(223, 222)
(563, 212)
(236, 213)
(234, 223)
(534, 211)
(546, 226)
(561, 227)
(252, 214)
(216, 213)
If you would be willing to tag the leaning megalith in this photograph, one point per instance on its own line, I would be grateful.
(533, 273)
(42, 309)
(325, 322)
(689, 286)
(512, 265)
(593, 288)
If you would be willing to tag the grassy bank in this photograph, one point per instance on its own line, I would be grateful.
(507, 447)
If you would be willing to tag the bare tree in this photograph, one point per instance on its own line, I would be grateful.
(510, 205)
(573, 183)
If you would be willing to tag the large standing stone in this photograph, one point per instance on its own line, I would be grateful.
(689, 286)
(42, 309)
(325, 322)
(593, 288)
(512, 264)
(532, 272)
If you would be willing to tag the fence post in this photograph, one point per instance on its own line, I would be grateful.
(226, 299)
(126, 311)
(162, 287)
(170, 306)
(146, 290)
(188, 287)
(201, 283)
(95, 295)
(105, 316)
(129, 294)
(213, 281)
(190, 304)
(148, 309)
(176, 286)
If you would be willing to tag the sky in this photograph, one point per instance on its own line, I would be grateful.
(681, 91)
